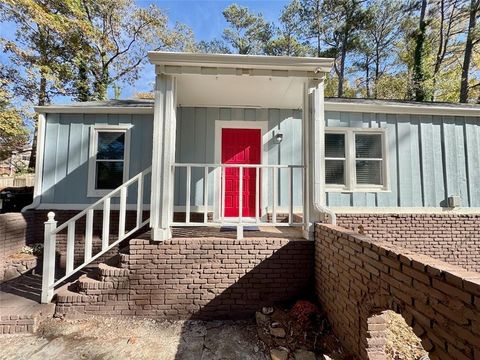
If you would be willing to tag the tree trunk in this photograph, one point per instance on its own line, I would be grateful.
(474, 6)
(343, 54)
(42, 100)
(418, 73)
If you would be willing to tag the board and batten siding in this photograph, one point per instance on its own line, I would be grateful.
(431, 157)
(67, 139)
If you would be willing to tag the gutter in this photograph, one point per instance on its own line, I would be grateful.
(37, 189)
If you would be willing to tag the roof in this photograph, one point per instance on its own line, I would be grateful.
(145, 106)
(192, 63)
(401, 107)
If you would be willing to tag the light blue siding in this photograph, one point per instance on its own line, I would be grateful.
(67, 138)
(429, 157)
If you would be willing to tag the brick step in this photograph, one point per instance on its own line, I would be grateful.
(86, 283)
(68, 294)
(110, 273)
(24, 319)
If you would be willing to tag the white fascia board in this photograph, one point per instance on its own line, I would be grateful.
(317, 65)
(402, 109)
(66, 109)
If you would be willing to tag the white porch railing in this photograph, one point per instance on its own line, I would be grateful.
(51, 230)
(266, 211)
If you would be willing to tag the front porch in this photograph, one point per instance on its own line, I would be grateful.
(198, 158)
(249, 169)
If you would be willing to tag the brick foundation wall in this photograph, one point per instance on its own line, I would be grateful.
(15, 233)
(357, 278)
(204, 278)
(453, 238)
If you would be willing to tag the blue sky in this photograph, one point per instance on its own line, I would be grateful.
(204, 17)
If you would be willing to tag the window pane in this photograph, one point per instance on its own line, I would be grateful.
(335, 145)
(368, 146)
(335, 172)
(111, 145)
(109, 174)
(369, 172)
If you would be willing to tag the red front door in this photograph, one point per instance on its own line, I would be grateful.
(240, 146)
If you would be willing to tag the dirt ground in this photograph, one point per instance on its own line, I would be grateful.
(110, 338)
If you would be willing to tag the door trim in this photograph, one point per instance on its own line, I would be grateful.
(239, 124)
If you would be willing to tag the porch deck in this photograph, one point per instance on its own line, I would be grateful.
(267, 232)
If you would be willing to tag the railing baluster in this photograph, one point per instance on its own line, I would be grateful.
(222, 204)
(274, 194)
(240, 194)
(122, 213)
(189, 184)
(88, 234)
(140, 200)
(106, 224)
(205, 196)
(70, 247)
(290, 195)
(257, 194)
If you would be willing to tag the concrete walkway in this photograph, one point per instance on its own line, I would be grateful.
(20, 308)
(113, 338)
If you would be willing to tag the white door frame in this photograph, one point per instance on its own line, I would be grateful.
(239, 124)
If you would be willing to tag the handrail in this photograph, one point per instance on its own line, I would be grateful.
(51, 230)
(238, 165)
(109, 195)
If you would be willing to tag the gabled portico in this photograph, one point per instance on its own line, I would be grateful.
(267, 192)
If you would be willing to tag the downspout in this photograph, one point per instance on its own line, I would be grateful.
(37, 188)
(317, 121)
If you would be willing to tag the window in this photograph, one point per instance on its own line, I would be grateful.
(108, 165)
(355, 160)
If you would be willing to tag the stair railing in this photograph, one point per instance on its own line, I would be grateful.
(51, 231)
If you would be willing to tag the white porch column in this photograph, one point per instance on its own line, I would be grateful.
(163, 157)
(313, 139)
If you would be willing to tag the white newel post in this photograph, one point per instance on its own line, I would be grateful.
(48, 277)
(163, 157)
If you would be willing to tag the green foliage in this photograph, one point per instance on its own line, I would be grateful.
(212, 47)
(13, 132)
(248, 33)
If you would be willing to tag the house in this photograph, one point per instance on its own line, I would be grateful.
(176, 162)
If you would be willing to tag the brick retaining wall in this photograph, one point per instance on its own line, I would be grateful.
(357, 278)
(15, 233)
(453, 238)
(204, 278)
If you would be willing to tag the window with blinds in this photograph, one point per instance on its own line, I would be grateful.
(335, 159)
(368, 159)
(355, 159)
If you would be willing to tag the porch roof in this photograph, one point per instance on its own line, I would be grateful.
(234, 64)
(239, 80)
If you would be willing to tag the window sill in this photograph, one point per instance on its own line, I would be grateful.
(358, 190)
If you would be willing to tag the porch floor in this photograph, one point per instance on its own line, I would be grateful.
(268, 232)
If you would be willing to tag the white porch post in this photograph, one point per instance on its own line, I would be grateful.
(163, 157)
(313, 133)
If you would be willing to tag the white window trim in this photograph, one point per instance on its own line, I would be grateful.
(350, 172)
(93, 145)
